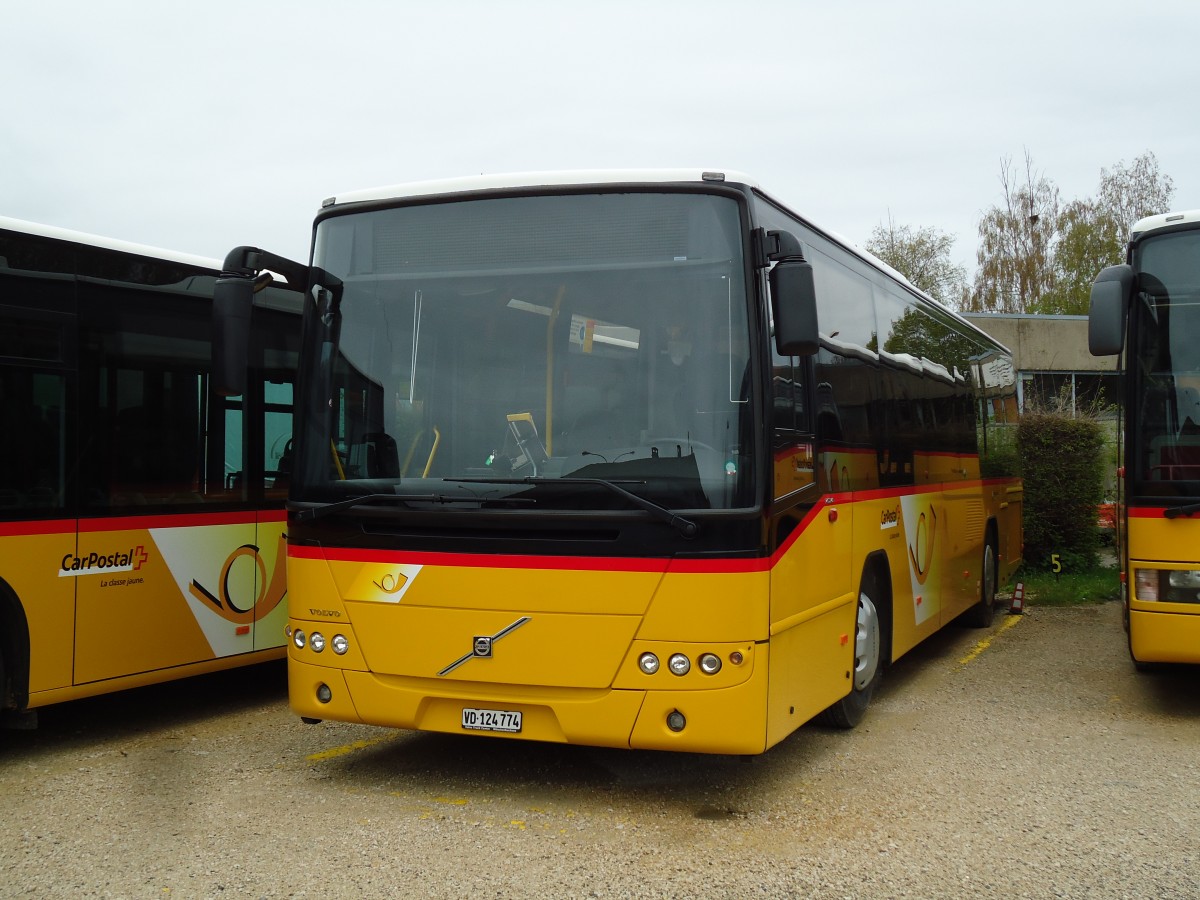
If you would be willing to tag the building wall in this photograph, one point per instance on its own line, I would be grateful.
(1044, 343)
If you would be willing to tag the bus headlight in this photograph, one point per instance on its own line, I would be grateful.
(339, 644)
(317, 642)
(710, 663)
(1185, 578)
(679, 664)
(648, 663)
(298, 639)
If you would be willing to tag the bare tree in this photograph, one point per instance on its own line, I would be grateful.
(1129, 194)
(1016, 243)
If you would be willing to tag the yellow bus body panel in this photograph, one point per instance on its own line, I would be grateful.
(118, 603)
(581, 630)
(1160, 631)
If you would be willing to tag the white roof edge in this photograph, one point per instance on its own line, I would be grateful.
(106, 243)
(517, 180)
(1162, 220)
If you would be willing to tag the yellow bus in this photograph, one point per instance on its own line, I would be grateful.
(628, 459)
(141, 515)
(1149, 310)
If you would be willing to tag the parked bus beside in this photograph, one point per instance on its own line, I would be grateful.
(141, 516)
(631, 459)
(1148, 310)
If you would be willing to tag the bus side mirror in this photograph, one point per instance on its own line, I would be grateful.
(1111, 293)
(233, 297)
(794, 305)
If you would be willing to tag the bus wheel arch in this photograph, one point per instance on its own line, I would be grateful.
(14, 651)
(872, 644)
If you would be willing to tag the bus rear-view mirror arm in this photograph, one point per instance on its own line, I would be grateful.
(246, 271)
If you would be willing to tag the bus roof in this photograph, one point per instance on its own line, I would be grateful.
(518, 180)
(105, 243)
(1164, 220)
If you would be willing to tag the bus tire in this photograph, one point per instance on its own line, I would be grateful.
(868, 661)
(4, 703)
(983, 612)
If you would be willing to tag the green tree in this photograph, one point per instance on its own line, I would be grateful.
(1084, 247)
(922, 255)
(1093, 232)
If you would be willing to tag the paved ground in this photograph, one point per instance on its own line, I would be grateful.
(1026, 760)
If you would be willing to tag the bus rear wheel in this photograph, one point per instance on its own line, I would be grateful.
(983, 612)
(868, 663)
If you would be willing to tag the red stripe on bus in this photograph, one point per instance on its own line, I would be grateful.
(1147, 512)
(47, 526)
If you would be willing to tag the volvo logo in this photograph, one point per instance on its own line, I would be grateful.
(481, 646)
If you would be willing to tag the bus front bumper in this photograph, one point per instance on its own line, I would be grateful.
(727, 720)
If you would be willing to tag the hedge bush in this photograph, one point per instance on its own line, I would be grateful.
(1062, 463)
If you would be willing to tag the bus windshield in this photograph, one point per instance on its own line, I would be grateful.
(521, 351)
(1167, 371)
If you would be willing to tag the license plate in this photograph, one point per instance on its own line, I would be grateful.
(492, 720)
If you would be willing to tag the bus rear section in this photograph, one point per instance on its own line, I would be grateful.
(142, 527)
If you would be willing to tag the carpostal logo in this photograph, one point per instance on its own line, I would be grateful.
(889, 518)
(103, 563)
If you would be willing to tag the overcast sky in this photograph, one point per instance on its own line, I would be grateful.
(204, 125)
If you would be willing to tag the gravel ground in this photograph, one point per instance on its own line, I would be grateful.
(1026, 760)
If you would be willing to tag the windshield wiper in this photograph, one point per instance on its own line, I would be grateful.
(308, 513)
(686, 527)
(1176, 511)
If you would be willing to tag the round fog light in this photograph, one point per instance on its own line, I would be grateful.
(710, 663)
(648, 663)
(339, 644)
(324, 694)
(679, 664)
(298, 639)
(317, 642)
(676, 721)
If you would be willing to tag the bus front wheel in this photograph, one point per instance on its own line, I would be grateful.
(868, 663)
